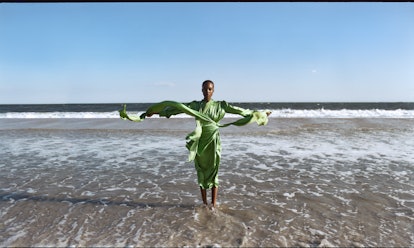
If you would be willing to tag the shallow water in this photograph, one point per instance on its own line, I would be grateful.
(295, 182)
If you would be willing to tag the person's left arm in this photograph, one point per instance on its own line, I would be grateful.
(228, 108)
(237, 110)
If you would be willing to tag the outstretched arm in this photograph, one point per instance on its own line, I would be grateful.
(260, 117)
(149, 115)
(165, 108)
(237, 110)
(167, 111)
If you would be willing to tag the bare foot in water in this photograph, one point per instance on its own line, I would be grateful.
(212, 208)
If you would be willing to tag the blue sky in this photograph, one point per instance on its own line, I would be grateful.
(149, 52)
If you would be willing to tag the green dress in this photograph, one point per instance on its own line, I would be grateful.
(204, 142)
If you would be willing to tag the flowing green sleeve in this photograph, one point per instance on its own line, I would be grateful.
(170, 107)
(167, 108)
(235, 110)
(260, 117)
(170, 110)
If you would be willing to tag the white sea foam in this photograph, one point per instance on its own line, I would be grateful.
(59, 115)
(16, 236)
(130, 188)
(276, 113)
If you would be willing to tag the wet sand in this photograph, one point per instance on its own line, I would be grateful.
(295, 182)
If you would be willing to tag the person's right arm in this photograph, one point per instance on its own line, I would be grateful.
(170, 110)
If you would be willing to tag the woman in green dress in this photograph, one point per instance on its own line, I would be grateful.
(204, 143)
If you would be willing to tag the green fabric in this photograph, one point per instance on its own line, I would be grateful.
(203, 143)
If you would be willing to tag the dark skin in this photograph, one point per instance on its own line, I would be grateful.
(208, 90)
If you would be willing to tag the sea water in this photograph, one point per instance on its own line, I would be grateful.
(343, 179)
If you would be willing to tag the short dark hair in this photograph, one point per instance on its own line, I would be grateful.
(207, 81)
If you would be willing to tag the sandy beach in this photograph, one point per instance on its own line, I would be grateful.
(295, 182)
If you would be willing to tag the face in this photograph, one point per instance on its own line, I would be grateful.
(208, 90)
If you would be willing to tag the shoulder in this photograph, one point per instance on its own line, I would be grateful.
(193, 103)
(225, 104)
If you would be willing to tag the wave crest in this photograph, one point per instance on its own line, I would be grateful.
(276, 113)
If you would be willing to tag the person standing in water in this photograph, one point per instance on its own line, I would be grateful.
(204, 143)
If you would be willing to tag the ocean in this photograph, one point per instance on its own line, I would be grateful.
(318, 174)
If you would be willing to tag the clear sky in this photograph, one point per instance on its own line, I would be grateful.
(148, 52)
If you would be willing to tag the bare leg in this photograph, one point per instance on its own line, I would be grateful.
(204, 195)
(214, 193)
